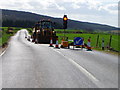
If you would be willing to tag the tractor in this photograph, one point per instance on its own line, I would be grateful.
(43, 32)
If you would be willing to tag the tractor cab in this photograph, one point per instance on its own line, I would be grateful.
(46, 24)
(46, 28)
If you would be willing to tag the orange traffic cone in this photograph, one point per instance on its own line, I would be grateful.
(57, 45)
(51, 43)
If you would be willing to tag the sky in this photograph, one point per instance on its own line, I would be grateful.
(95, 11)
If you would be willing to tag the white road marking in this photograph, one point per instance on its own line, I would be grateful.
(90, 52)
(88, 74)
(2, 53)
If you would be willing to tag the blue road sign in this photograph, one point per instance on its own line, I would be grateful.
(78, 41)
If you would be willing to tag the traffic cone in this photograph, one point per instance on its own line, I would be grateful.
(51, 43)
(57, 45)
(89, 45)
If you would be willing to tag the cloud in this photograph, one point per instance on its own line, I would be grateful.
(111, 8)
(86, 10)
(59, 7)
(75, 6)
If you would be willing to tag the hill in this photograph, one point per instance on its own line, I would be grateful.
(27, 19)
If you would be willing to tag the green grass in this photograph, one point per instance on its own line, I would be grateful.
(67, 30)
(0, 41)
(29, 30)
(114, 43)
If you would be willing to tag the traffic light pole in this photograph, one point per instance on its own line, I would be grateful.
(65, 23)
(64, 34)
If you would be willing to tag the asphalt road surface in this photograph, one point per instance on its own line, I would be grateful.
(29, 65)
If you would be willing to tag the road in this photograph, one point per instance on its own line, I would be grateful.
(29, 65)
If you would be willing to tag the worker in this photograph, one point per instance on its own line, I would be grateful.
(88, 44)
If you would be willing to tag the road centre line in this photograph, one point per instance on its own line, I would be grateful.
(86, 72)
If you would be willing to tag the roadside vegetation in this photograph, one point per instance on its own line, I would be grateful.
(115, 45)
(5, 36)
(30, 30)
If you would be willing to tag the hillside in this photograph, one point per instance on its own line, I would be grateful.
(27, 19)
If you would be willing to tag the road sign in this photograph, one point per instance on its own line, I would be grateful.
(78, 41)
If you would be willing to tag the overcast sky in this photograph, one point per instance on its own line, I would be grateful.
(96, 11)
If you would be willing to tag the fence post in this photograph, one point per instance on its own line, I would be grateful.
(110, 41)
(102, 43)
(97, 41)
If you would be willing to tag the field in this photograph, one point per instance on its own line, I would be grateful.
(114, 43)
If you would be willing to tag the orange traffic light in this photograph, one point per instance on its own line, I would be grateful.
(65, 18)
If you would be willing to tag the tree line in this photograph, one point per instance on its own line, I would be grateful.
(25, 24)
(18, 23)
